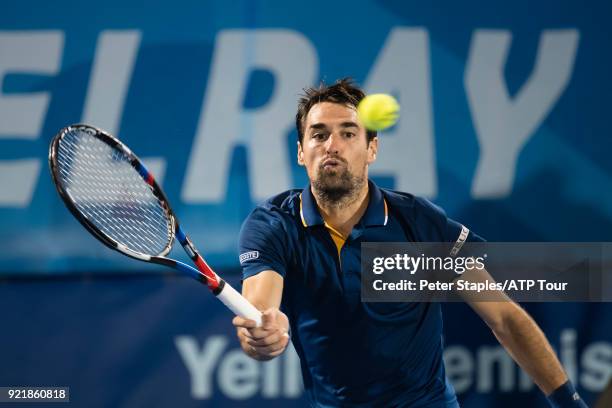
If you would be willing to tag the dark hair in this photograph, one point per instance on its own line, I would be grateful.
(343, 92)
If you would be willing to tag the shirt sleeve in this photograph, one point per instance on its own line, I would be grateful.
(447, 229)
(263, 243)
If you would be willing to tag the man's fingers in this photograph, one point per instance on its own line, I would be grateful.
(244, 334)
(242, 322)
(277, 353)
(258, 333)
(267, 341)
(276, 347)
(271, 338)
(268, 318)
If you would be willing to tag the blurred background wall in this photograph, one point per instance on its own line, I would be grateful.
(505, 124)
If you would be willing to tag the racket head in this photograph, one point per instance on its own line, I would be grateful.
(111, 193)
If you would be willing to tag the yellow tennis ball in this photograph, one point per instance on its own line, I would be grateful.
(378, 111)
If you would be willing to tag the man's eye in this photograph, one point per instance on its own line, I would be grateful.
(318, 136)
(349, 134)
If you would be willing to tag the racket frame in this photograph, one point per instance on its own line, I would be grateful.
(204, 273)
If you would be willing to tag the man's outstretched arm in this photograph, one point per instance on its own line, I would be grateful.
(264, 291)
(525, 342)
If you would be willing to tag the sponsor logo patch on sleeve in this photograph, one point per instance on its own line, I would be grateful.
(247, 256)
(460, 241)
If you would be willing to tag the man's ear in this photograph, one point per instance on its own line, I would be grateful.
(300, 154)
(372, 150)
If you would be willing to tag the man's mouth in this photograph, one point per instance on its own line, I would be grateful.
(331, 163)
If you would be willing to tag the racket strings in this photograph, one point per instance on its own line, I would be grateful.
(110, 193)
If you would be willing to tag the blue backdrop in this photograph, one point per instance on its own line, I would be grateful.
(505, 113)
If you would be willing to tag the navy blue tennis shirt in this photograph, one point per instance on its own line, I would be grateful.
(353, 353)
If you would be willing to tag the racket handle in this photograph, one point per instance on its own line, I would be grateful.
(238, 304)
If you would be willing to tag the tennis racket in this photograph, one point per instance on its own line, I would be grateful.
(112, 194)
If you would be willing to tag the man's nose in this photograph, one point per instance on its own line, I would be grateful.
(334, 143)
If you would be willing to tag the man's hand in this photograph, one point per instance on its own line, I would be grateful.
(265, 342)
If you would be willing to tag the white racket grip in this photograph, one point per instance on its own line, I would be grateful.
(238, 304)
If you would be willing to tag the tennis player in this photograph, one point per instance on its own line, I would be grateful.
(300, 254)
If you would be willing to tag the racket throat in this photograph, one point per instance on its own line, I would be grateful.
(219, 288)
(208, 276)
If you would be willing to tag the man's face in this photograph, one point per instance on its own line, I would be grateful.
(335, 150)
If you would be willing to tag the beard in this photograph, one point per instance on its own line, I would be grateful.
(336, 186)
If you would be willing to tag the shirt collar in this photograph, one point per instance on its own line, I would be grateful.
(377, 213)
